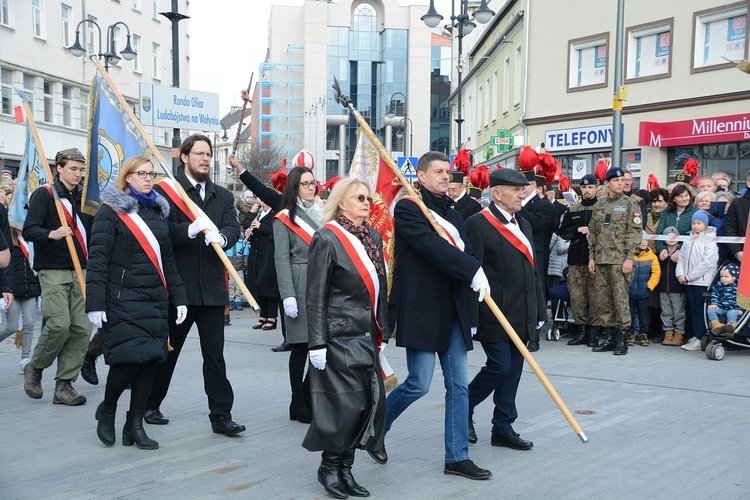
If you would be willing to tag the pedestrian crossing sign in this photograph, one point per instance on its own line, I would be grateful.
(408, 166)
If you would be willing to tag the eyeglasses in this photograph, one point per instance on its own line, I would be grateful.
(201, 154)
(362, 198)
(308, 184)
(142, 174)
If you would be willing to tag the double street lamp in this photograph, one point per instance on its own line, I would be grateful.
(393, 113)
(111, 53)
(463, 22)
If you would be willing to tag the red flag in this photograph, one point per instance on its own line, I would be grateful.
(743, 285)
(18, 110)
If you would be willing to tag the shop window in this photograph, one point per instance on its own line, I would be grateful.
(649, 51)
(719, 34)
(587, 62)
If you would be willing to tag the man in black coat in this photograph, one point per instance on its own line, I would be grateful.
(462, 202)
(735, 222)
(430, 291)
(503, 245)
(203, 275)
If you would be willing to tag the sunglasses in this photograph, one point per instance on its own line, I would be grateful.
(362, 198)
(307, 184)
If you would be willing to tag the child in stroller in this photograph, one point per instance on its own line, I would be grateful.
(721, 304)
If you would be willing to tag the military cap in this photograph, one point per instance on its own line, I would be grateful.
(507, 177)
(588, 180)
(614, 172)
(529, 175)
(456, 176)
(69, 154)
(683, 177)
(473, 192)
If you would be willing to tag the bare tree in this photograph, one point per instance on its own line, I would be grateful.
(260, 161)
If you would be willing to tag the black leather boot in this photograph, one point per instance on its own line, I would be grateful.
(593, 336)
(298, 409)
(608, 344)
(621, 347)
(105, 428)
(329, 474)
(133, 432)
(581, 337)
(88, 369)
(350, 484)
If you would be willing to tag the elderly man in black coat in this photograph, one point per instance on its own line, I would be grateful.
(203, 275)
(504, 245)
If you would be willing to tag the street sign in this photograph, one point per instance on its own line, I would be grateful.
(172, 107)
(502, 141)
(408, 166)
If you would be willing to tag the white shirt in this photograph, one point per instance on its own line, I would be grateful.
(196, 183)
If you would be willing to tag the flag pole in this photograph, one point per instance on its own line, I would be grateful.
(365, 127)
(58, 203)
(193, 209)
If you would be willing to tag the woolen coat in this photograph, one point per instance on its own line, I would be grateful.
(466, 206)
(262, 257)
(123, 282)
(201, 269)
(348, 398)
(515, 283)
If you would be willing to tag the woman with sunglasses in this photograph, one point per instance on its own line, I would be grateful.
(131, 279)
(347, 313)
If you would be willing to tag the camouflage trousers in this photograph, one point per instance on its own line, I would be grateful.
(580, 281)
(610, 304)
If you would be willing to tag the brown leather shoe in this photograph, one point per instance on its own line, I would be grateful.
(65, 394)
(32, 382)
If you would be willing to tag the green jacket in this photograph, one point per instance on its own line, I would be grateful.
(615, 230)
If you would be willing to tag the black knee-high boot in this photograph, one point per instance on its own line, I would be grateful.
(329, 474)
(350, 484)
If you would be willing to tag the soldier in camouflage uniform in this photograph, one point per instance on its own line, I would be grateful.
(615, 231)
(574, 228)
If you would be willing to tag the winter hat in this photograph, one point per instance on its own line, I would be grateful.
(671, 230)
(734, 270)
(702, 216)
(247, 194)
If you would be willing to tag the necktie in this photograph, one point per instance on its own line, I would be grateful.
(199, 190)
(512, 219)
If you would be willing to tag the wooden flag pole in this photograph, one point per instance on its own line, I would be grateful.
(346, 102)
(58, 203)
(193, 209)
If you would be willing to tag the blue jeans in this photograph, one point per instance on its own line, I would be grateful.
(421, 366)
(716, 314)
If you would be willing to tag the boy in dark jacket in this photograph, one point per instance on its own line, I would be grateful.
(671, 294)
(724, 302)
(646, 274)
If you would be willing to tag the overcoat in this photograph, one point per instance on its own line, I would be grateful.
(542, 217)
(466, 206)
(262, 257)
(124, 283)
(348, 398)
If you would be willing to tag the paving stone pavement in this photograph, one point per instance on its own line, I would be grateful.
(663, 424)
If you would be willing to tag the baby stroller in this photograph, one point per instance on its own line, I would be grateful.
(716, 345)
(562, 318)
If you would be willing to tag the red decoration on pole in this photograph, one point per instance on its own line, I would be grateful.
(462, 162)
(600, 172)
(527, 159)
(652, 183)
(480, 177)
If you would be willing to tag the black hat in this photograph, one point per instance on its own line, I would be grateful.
(588, 180)
(456, 176)
(614, 172)
(683, 177)
(507, 177)
(540, 180)
(69, 154)
(473, 192)
(529, 175)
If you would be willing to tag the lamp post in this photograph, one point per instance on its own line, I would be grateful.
(392, 112)
(400, 134)
(463, 22)
(111, 53)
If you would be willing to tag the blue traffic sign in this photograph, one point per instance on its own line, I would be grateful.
(408, 166)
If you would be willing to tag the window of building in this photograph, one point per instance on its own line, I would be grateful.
(719, 34)
(493, 97)
(37, 18)
(6, 13)
(486, 104)
(587, 62)
(67, 105)
(649, 50)
(48, 102)
(115, 38)
(506, 86)
(137, 5)
(66, 17)
(517, 66)
(156, 61)
(84, 113)
(480, 114)
(136, 45)
(90, 41)
(6, 91)
(28, 88)
(155, 9)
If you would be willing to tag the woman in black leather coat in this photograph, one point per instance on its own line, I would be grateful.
(347, 313)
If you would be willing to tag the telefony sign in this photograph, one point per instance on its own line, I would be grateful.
(172, 107)
(573, 139)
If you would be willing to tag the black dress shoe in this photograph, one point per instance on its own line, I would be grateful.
(282, 347)
(270, 325)
(154, 417)
(468, 469)
(472, 433)
(511, 440)
(379, 457)
(533, 346)
(225, 426)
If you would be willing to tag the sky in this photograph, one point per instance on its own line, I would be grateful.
(227, 44)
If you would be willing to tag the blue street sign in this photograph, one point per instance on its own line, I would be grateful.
(408, 166)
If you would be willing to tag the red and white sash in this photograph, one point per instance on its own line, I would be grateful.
(78, 230)
(167, 185)
(450, 230)
(512, 233)
(145, 237)
(301, 228)
(25, 250)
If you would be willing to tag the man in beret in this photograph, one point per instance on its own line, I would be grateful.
(462, 203)
(504, 244)
(615, 230)
(66, 327)
(574, 228)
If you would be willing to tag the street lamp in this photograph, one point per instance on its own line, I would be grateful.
(400, 134)
(462, 21)
(392, 112)
(111, 55)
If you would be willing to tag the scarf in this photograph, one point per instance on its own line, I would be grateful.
(145, 200)
(655, 217)
(362, 232)
(312, 208)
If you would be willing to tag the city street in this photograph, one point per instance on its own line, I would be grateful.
(662, 423)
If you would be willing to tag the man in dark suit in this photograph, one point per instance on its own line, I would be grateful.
(542, 216)
(462, 203)
(203, 273)
(503, 244)
(430, 291)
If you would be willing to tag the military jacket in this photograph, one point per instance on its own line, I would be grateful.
(615, 230)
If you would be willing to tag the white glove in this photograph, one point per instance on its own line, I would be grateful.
(290, 307)
(480, 284)
(318, 358)
(181, 315)
(97, 318)
(214, 237)
(473, 331)
(199, 225)
(540, 324)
